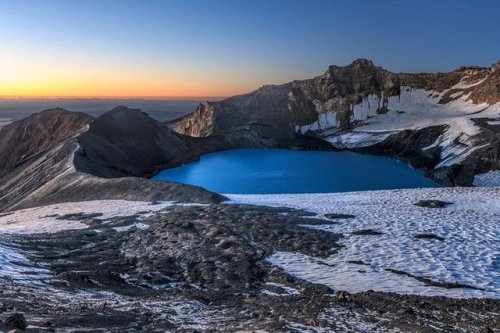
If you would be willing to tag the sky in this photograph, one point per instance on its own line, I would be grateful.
(188, 48)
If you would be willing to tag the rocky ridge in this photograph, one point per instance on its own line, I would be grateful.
(366, 108)
(58, 156)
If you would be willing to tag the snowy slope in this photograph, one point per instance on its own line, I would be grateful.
(412, 109)
(468, 254)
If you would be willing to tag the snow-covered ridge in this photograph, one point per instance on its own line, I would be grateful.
(466, 254)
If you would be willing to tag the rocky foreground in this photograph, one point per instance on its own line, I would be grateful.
(203, 268)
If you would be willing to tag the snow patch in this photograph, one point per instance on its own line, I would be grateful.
(17, 267)
(489, 179)
(466, 256)
(358, 139)
(65, 216)
(367, 108)
(464, 85)
(493, 122)
(326, 120)
(287, 291)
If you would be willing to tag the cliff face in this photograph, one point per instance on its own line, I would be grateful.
(335, 99)
(283, 107)
(362, 105)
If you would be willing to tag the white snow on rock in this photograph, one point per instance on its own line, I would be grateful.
(468, 254)
(489, 179)
(54, 218)
(358, 139)
(287, 291)
(367, 108)
(326, 120)
(411, 109)
(464, 85)
(493, 122)
(17, 267)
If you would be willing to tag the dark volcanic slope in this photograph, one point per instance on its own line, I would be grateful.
(24, 140)
(46, 159)
(132, 143)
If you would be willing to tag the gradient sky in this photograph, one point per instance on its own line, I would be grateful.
(223, 47)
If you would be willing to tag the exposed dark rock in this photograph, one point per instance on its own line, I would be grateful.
(339, 216)
(430, 282)
(428, 236)
(16, 321)
(366, 232)
(38, 168)
(342, 296)
(23, 141)
(282, 107)
(433, 203)
(358, 262)
(128, 142)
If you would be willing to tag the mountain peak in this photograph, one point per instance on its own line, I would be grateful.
(362, 63)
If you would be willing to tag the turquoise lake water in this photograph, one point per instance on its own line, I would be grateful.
(256, 171)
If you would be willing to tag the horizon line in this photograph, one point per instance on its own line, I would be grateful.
(110, 97)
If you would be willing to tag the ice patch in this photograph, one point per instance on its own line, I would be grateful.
(464, 85)
(17, 267)
(326, 120)
(489, 179)
(367, 108)
(64, 216)
(358, 139)
(468, 255)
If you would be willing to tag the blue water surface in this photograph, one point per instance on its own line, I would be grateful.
(259, 171)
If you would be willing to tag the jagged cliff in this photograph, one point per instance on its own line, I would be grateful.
(367, 108)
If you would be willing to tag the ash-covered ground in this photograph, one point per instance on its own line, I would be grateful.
(199, 268)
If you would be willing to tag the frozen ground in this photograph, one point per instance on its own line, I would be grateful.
(67, 216)
(489, 179)
(467, 255)
(14, 262)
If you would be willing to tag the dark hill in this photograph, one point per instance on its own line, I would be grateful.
(24, 140)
